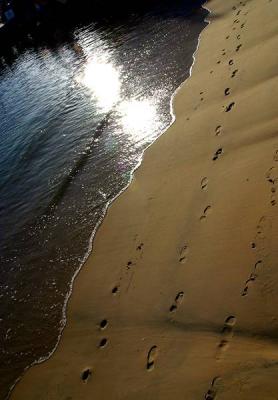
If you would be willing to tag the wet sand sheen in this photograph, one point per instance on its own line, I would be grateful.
(178, 299)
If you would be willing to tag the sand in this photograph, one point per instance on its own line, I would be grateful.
(179, 298)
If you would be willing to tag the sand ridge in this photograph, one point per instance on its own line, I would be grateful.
(178, 299)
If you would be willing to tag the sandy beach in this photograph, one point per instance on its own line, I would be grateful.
(179, 298)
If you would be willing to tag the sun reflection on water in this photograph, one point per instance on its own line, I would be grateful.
(103, 79)
(138, 118)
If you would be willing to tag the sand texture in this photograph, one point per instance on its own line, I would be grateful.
(179, 299)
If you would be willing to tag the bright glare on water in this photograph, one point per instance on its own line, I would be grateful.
(103, 80)
(138, 117)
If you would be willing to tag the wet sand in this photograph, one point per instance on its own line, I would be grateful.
(179, 298)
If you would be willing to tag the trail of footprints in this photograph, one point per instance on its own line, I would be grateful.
(229, 107)
(127, 272)
(228, 329)
(253, 276)
(229, 324)
(87, 372)
(260, 243)
(272, 179)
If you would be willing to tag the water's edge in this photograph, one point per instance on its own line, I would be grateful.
(108, 204)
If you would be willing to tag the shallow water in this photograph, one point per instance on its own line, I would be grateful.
(74, 123)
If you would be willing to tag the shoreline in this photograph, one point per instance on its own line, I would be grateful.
(108, 205)
(40, 344)
(150, 165)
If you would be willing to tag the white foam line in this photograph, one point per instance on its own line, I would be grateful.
(101, 219)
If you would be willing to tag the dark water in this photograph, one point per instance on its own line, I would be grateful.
(74, 121)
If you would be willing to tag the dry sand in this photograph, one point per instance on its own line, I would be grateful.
(191, 246)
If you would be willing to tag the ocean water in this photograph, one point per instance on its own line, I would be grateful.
(75, 119)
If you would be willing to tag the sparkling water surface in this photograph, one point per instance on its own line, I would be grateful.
(74, 121)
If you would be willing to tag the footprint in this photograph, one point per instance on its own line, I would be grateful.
(248, 284)
(140, 247)
(86, 375)
(206, 212)
(242, 25)
(152, 356)
(204, 183)
(226, 333)
(271, 175)
(258, 265)
(173, 308)
(239, 11)
(238, 37)
(227, 37)
(238, 47)
(227, 91)
(178, 300)
(115, 290)
(211, 393)
(230, 321)
(234, 73)
(129, 264)
(275, 156)
(231, 62)
(218, 130)
(217, 154)
(183, 254)
(230, 106)
(103, 324)
(103, 343)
